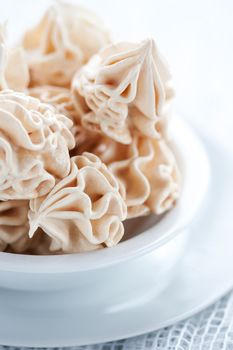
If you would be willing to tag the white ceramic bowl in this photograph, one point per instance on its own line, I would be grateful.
(64, 300)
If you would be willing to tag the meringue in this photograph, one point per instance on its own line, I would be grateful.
(34, 146)
(147, 173)
(125, 86)
(83, 135)
(14, 228)
(13, 222)
(64, 40)
(84, 211)
(14, 72)
(58, 97)
(61, 99)
(37, 245)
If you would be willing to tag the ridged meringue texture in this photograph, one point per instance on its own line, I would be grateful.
(34, 146)
(59, 97)
(125, 86)
(146, 171)
(84, 211)
(64, 40)
(14, 72)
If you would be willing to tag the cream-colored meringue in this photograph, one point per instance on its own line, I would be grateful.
(34, 146)
(85, 139)
(125, 85)
(13, 222)
(14, 72)
(59, 97)
(147, 173)
(84, 211)
(14, 228)
(39, 244)
(66, 37)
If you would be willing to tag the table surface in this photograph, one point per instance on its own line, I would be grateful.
(197, 39)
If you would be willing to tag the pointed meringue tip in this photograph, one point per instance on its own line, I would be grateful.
(147, 43)
(33, 227)
(147, 46)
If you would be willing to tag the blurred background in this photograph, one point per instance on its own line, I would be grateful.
(196, 37)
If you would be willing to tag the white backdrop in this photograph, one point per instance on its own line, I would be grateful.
(197, 39)
(195, 36)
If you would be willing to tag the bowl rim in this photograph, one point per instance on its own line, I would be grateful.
(195, 181)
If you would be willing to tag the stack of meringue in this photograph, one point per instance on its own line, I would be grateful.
(83, 135)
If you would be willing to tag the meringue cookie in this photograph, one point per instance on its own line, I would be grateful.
(147, 173)
(125, 86)
(66, 37)
(14, 72)
(13, 222)
(59, 97)
(37, 245)
(84, 211)
(34, 146)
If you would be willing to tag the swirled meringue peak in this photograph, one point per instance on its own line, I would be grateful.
(34, 146)
(84, 211)
(14, 72)
(66, 37)
(147, 173)
(125, 86)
